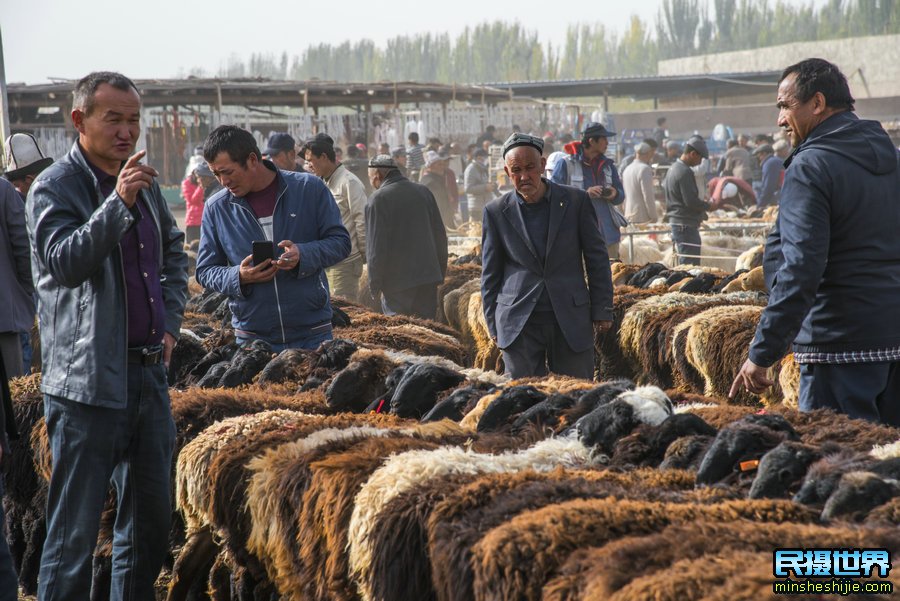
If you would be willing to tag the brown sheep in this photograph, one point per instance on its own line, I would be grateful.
(717, 345)
(459, 520)
(789, 379)
(412, 337)
(284, 485)
(328, 503)
(602, 571)
(457, 275)
(487, 354)
(608, 359)
(654, 353)
(456, 310)
(514, 560)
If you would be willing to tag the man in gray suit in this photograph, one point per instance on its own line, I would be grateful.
(545, 271)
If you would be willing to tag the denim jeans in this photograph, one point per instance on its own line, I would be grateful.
(92, 446)
(9, 582)
(686, 239)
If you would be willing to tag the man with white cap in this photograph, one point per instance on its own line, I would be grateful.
(545, 280)
(434, 178)
(24, 161)
(685, 210)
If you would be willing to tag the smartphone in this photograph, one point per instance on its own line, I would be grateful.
(262, 250)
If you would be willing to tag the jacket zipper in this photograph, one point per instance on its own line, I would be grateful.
(274, 280)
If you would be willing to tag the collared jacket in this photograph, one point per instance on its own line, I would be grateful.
(350, 196)
(295, 303)
(683, 203)
(407, 242)
(77, 265)
(832, 260)
(575, 270)
(566, 173)
(16, 287)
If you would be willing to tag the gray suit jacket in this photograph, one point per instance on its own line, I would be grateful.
(575, 271)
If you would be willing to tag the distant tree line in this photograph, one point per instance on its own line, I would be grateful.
(508, 52)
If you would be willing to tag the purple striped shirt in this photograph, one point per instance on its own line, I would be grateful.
(143, 289)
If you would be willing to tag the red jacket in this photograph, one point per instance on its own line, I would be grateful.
(193, 202)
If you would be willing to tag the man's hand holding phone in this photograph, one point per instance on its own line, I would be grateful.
(261, 266)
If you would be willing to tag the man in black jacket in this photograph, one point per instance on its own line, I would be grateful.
(832, 261)
(406, 244)
(685, 210)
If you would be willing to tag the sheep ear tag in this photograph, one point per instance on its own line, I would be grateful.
(748, 466)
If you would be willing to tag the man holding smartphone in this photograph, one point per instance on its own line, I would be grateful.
(283, 300)
(591, 170)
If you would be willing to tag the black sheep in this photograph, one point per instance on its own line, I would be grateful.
(358, 384)
(339, 318)
(247, 362)
(609, 422)
(824, 475)
(453, 407)
(216, 356)
(214, 375)
(647, 445)
(645, 274)
(418, 389)
(728, 279)
(283, 367)
(858, 493)
(686, 453)
(382, 403)
(512, 401)
(334, 354)
(545, 414)
(593, 398)
(187, 353)
(782, 468)
(675, 276)
(205, 302)
(745, 440)
(700, 284)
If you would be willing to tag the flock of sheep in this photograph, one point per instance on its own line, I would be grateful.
(395, 463)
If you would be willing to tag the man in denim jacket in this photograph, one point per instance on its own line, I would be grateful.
(285, 301)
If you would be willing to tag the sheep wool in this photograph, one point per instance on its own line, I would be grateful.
(407, 470)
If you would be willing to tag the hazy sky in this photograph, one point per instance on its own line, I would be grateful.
(69, 38)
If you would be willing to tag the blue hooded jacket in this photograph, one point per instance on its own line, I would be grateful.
(832, 260)
(287, 308)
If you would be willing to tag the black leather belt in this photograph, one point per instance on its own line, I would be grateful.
(147, 355)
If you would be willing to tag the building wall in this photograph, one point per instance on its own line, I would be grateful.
(878, 57)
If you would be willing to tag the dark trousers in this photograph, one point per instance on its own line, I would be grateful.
(420, 301)
(686, 239)
(541, 347)
(93, 446)
(862, 390)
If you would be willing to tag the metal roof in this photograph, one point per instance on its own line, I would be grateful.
(643, 87)
(260, 91)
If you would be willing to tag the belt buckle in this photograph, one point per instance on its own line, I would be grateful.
(149, 358)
